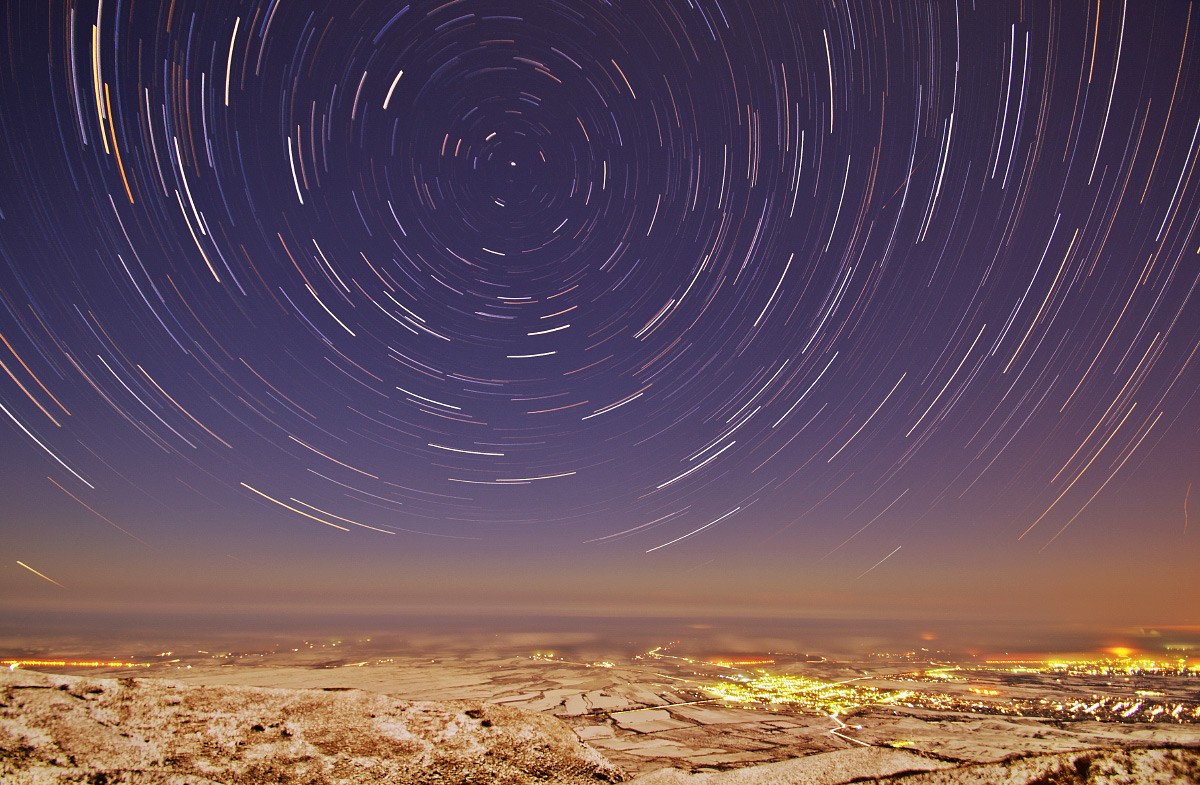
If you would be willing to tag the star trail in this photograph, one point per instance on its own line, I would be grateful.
(854, 287)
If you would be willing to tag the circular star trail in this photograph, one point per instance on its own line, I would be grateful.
(644, 276)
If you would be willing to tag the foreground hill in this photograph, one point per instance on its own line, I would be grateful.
(62, 729)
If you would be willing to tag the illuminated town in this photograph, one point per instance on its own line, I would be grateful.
(805, 694)
(1002, 695)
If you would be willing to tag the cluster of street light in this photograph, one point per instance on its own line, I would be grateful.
(808, 694)
(804, 693)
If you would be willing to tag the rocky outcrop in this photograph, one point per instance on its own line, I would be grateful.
(1157, 766)
(62, 729)
(1153, 766)
(861, 764)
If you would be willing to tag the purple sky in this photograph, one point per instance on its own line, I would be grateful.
(841, 308)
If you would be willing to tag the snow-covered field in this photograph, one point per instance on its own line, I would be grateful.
(58, 729)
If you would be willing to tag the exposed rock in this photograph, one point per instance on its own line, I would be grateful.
(862, 764)
(62, 729)
(1152, 766)
(1155, 766)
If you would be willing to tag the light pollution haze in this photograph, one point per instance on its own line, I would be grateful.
(861, 310)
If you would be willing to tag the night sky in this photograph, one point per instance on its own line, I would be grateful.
(806, 308)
